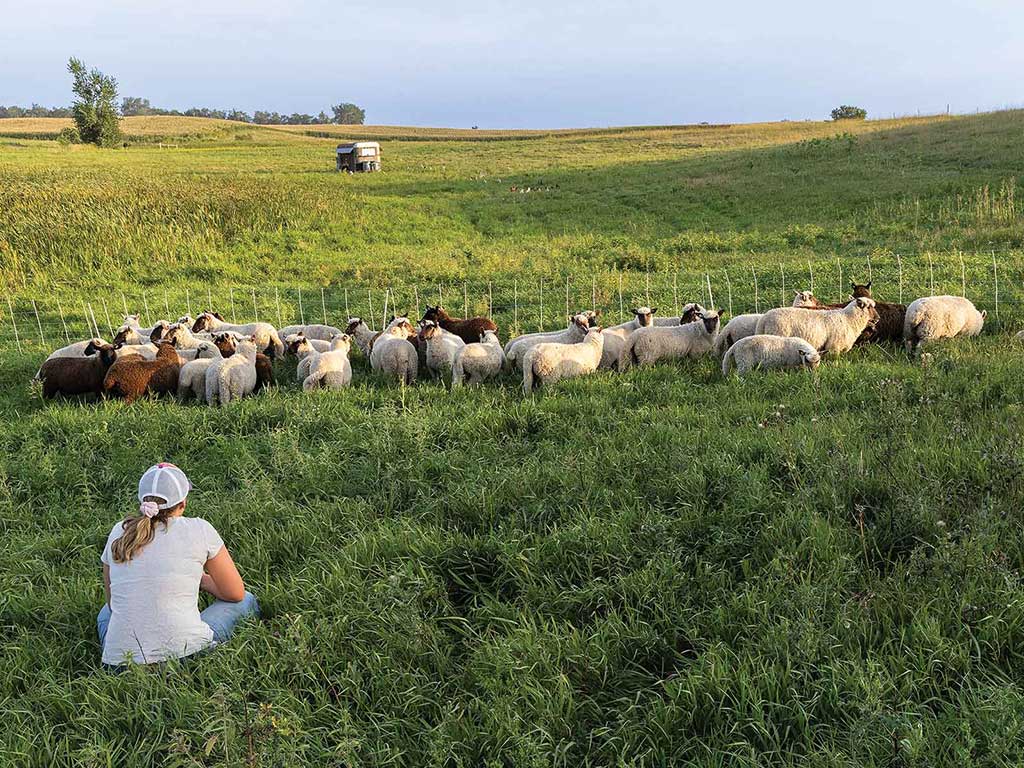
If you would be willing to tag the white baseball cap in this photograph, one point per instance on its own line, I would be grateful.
(164, 481)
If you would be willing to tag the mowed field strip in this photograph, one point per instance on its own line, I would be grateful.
(654, 568)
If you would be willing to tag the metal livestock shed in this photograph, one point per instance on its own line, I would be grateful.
(359, 156)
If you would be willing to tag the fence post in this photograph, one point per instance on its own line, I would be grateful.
(839, 265)
(963, 276)
(94, 325)
(255, 312)
(277, 300)
(106, 314)
(88, 327)
(593, 293)
(810, 272)
(757, 301)
(384, 312)
(209, 300)
(782, 271)
(899, 266)
(39, 324)
(67, 336)
(648, 289)
(515, 305)
(871, 276)
(347, 313)
(711, 296)
(302, 312)
(931, 275)
(567, 310)
(728, 286)
(465, 300)
(490, 300)
(145, 303)
(675, 292)
(622, 311)
(323, 304)
(124, 303)
(416, 300)
(995, 280)
(440, 298)
(167, 306)
(369, 303)
(540, 325)
(14, 323)
(231, 297)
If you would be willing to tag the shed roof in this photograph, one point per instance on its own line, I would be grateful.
(344, 149)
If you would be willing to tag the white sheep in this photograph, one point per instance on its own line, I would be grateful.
(265, 334)
(476, 363)
(315, 332)
(236, 376)
(205, 350)
(646, 346)
(550, 362)
(192, 378)
(765, 351)
(691, 311)
(305, 352)
(135, 334)
(317, 344)
(830, 331)
(579, 324)
(361, 333)
(805, 299)
(940, 317)
(331, 369)
(393, 353)
(737, 328)
(78, 348)
(615, 337)
(212, 390)
(442, 347)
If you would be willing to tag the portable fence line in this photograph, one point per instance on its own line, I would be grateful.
(85, 314)
(255, 313)
(39, 323)
(931, 275)
(675, 292)
(593, 293)
(349, 314)
(124, 303)
(963, 276)
(94, 325)
(440, 298)
(490, 300)
(277, 300)
(540, 325)
(369, 305)
(995, 280)
(711, 296)
(728, 287)
(106, 314)
(415, 300)
(810, 273)
(465, 300)
(323, 304)
(14, 323)
(757, 301)
(302, 312)
(209, 300)
(567, 310)
(840, 265)
(145, 304)
(783, 291)
(384, 312)
(870, 273)
(648, 287)
(167, 307)
(622, 311)
(231, 298)
(60, 311)
(188, 304)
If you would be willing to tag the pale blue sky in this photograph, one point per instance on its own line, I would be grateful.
(527, 64)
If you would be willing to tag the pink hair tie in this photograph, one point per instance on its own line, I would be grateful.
(149, 508)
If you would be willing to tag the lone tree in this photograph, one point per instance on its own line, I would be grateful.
(348, 114)
(846, 112)
(95, 107)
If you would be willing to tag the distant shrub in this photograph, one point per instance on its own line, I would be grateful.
(68, 135)
(94, 109)
(846, 112)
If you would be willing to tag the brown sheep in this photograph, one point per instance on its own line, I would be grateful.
(132, 377)
(469, 330)
(890, 316)
(77, 375)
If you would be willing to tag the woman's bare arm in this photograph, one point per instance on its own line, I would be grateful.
(222, 579)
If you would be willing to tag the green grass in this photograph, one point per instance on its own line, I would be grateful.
(652, 569)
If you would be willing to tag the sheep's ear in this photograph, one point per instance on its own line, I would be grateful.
(218, 315)
(984, 314)
(868, 285)
(597, 313)
(654, 310)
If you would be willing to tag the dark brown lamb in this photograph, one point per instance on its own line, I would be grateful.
(890, 317)
(132, 377)
(77, 375)
(469, 330)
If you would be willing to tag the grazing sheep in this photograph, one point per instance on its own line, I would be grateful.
(236, 375)
(764, 351)
(550, 362)
(579, 324)
(940, 317)
(476, 363)
(264, 371)
(646, 346)
(691, 311)
(441, 348)
(77, 349)
(317, 344)
(331, 369)
(738, 328)
(322, 333)
(393, 353)
(831, 331)
(132, 377)
(226, 342)
(267, 339)
(77, 375)
(615, 337)
(204, 350)
(361, 334)
(468, 329)
(303, 349)
(192, 378)
(891, 317)
(134, 334)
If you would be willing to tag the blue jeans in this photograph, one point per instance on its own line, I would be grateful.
(220, 615)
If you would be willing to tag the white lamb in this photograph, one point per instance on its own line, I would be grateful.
(476, 363)
(442, 347)
(236, 377)
(205, 350)
(212, 393)
(361, 333)
(579, 324)
(764, 351)
(192, 375)
(317, 344)
(316, 332)
(737, 328)
(134, 334)
(550, 362)
(804, 299)
(331, 369)
(940, 317)
(306, 353)
(646, 346)
(830, 331)
(691, 311)
(78, 348)
(615, 337)
(265, 334)
(394, 354)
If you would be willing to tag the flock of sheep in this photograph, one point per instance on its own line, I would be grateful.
(217, 362)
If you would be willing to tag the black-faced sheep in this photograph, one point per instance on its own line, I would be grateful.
(77, 375)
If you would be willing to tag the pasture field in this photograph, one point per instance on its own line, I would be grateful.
(658, 568)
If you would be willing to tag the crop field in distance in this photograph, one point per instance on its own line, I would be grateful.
(662, 567)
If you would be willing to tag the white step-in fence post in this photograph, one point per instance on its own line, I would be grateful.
(231, 297)
(369, 304)
(899, 267)
(839, 266)
(540, 324)
(67, 336)
(88, 324)
(995, 281)
(347, 313)
(277, 301)
(255, 313)
(465, 300)
(14, 323)
(302, 311)
(39, 324)
(782, 271)
(728, 286)
(145, 304)
(106, 314)
(567, 310)
(515, 306)
(757, 300)
(622, 310)
(963, 276)
(94, 324)
(323, 304)
(675, 292)
(711, 296)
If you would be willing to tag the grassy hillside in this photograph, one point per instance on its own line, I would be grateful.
(658, 568)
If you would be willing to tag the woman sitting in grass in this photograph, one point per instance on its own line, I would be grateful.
(154, 565)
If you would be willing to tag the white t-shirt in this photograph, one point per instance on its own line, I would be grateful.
(154, 597)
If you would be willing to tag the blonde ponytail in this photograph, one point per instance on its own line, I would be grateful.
(139, 530)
